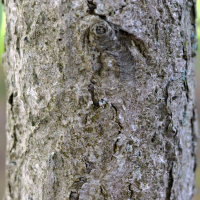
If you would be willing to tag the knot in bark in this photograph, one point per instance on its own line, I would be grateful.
(101, 29)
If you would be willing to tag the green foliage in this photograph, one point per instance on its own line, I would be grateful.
(2, 28)
(2, 32)
(1, 15)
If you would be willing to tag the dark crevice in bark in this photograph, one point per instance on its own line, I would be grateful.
(141, 47)
(88, 166)
(26, 39)
(185, 54)
(153, 138)
(14, 136)
(166, 92)
(184, 116)
(184, 72)
(78, 184)
(180, 149)
(10, 100)
(93, 96)
(117, 120)
(101, 190)
(195, 163)
(86, 37)
(156, 30)
(194, 138)
(91, 7)
(193, 13)
(10, 190)
(98, 67)
(60, 67)
(115, 146)
(18, 46)
(185, 83)
(170, 183)
(35, 78)
(131, 191)
(103, 193)
(74, 196)
(55, 185)
(114, 108)
(102, 17)
(51, 161)
(175, 97)
(168, 121)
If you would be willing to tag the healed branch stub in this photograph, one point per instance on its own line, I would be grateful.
(109, 38)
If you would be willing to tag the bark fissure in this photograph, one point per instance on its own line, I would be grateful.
(193, 120)
(75, 193)
(91, 89)
(117, 119)
(88, 166)
(91, 7)
(115, 146)
(10, 101)
(131, 191)
(73, 196)
(103, 193)
(15, 140)
(170, 183)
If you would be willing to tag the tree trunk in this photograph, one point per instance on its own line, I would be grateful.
(101, 101)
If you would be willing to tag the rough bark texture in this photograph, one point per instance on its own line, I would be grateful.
(101, 102)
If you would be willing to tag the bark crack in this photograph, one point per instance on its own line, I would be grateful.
(94, 97)
(170, 183)
(131, 191)
(103, 193)
(10, 100)
(91, 7)
(194, 138)
(74, 195)
(10, 190)
(14, 136)
(117, 120)
(115, 146)
(88, 167)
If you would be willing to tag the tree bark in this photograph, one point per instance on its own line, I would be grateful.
(101, 102)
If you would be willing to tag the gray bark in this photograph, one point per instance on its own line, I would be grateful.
(101, 101)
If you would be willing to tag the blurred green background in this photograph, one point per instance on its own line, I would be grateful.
(3, 104)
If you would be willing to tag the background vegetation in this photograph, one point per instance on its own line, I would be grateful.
(2, 33)
(3, 95)
(2, 106)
